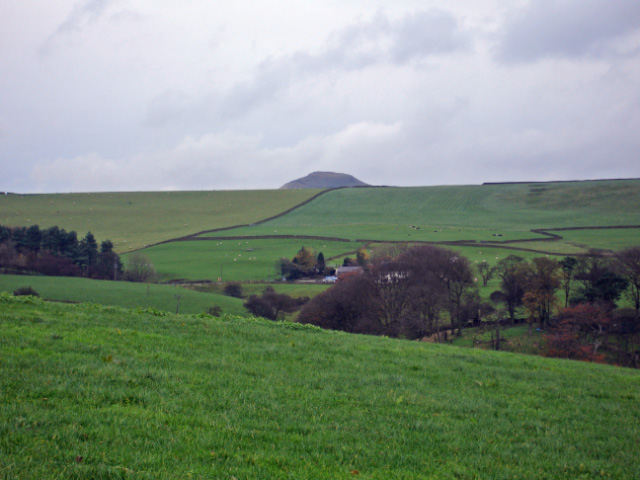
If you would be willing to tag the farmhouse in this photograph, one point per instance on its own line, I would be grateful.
(345, 270)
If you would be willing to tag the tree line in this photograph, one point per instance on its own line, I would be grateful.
(426, 290)
(54, 251)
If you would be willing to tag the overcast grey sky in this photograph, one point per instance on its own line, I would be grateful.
(100, 95)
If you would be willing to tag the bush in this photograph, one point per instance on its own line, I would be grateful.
(271, 304)
(214, 310)
(25, 291)
(233, 289)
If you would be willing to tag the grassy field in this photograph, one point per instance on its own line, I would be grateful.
(434, 214)
(513, 339)
(134, 219)
(233, 260)
(91, 392)
(472, 212)
(605, 239)
(295, 290)
(123, 294)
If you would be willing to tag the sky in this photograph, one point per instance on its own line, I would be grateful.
(138, 95)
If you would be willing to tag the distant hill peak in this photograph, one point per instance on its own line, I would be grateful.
(324, 180)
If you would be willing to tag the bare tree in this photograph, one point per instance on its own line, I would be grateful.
(139, 268)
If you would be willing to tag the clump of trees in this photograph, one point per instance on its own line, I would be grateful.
(592, 328)
(305, 264)
(54, 251)
(403, 296)
(273, 305)
(422, 291)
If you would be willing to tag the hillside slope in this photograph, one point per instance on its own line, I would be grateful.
(94, 392)
(471, 212)
(134, 219)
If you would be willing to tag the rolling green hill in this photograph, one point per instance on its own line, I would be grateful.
(94, 392)
(135, 219)
(473, 212)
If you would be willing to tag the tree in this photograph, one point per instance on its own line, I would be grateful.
(580, 333)
(233, 289)
(320, 264)
(485, 271)
(458, 280)
(306, 260)
(362, 257)
(568, 266)
(139, 268)
(288, 269)
(87, 253)
(108, 263)
(33, 237)
(629, 266)
(513, 272)
(350, 306)
(5, 234)
(541, 288)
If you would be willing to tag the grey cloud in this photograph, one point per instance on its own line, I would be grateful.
(567, 28)
(82, 15)
(428, 33)
(381, 40)
(415, 36)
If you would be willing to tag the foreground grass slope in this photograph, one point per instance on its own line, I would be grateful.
(89, 392)
(135, 219)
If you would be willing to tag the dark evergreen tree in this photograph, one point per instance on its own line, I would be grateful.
(32, 240)
(320, 263)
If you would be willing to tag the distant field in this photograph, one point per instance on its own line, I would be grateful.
(295, 290)
(477, 210)
(383, 231)
(122, 294)
(480, 213)
(250, 259)
(615, 239)
(134, 219)
(105, 393)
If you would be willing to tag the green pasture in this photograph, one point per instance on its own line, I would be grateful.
(608, 239)
(122, 294)
(383, 231)
(512, 339)
(135, 219)
(234, 260)
(489, 208)
(94, 392)
(295, 290)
